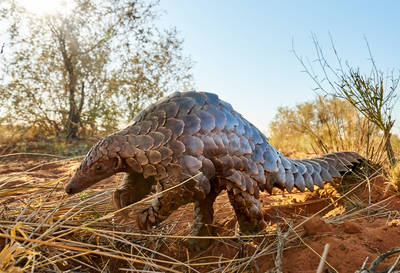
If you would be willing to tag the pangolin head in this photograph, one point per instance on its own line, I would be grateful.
(102, 161)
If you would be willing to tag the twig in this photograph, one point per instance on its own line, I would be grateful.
(380, 258)
(396, 263)
(279, 246)
(281, 238)
(323, 258)
(364, 264)
(35, 154)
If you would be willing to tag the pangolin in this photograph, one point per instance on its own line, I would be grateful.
(198, 137)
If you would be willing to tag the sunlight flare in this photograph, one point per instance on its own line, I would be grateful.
(47, 7)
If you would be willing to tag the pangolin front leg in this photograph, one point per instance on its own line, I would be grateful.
(133, 189)
(163, 205)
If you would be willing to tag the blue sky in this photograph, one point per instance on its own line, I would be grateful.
(242, 49)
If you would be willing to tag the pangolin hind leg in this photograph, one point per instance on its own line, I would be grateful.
(248, 212)
(202, 221)
(133, 189)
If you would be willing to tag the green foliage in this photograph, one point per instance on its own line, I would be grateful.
(322, 126)
(87, 71)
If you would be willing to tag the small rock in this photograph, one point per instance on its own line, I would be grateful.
(350, 227)
(316, 225)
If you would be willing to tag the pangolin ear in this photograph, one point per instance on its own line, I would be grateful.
(117, 162)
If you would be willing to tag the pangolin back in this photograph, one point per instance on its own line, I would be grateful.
(196, 133)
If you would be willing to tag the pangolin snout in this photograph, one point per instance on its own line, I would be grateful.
(73, 185)
(70, 188)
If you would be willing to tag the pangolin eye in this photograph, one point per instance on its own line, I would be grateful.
(99, 168)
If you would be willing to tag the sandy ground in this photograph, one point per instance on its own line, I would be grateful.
(362, 224)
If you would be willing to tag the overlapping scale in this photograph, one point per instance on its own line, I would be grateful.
(167, 133)
(165, 152)
(191, 164)
(270, 161)
(317, 180)
(257, 136)
(127, 151)
(260, 175)
(145, 127)
(208, 168)
(185, 105)
(158, 139)
(231, 121)
(227, 163)
(170, 108)
(308, 181)
(281, 174)
(207, 121)
(289, 180)
(141, 157)
(245, 163)
(237, 179)
(234, 144)
(299, 181)
(237, 162)
(286, 163)
(173, 170)
(198, 97)
(210, 148)
(192, 124)
(220, 143)
(219, 116)
(253, 171)
(211, 98)
(177, 147)
(161, 172)
(258, 154)
(245, 147)
(154, 156)
(326, 176)
(161, 117)
(176, 126)
(149, 170)
(239, 130)
(134, 165)
(144, 142)
(193, 145)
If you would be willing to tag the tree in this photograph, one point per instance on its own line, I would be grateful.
(90, 69)
(324, 125)
(373, 94)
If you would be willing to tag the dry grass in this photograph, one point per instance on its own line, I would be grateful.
(43, 230)
(394, 176)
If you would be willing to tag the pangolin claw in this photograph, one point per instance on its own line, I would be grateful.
(147, 219)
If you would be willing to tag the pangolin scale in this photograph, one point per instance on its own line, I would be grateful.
(197, 136)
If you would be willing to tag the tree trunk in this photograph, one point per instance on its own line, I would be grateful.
(388, 147)
(74, 112)
(73, 123)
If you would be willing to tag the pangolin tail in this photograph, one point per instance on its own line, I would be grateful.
(305, 173)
